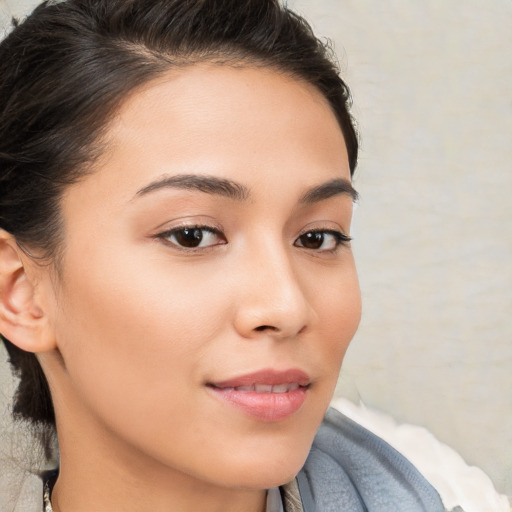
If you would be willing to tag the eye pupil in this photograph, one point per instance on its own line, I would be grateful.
(189, 237)
(312, 240)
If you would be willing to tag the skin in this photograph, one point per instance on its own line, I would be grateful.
(136, 325)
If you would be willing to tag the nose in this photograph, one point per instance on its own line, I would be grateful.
(272, 300)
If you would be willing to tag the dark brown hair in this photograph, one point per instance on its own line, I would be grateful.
(65, 70)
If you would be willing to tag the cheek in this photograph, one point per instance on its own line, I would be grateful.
(136, 331)
(135, 351)
(338, 307)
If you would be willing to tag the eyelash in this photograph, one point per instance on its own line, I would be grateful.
(197, 232)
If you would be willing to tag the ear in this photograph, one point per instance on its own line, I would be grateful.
(22, 320)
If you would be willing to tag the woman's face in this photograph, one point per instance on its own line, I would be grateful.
(207, 293)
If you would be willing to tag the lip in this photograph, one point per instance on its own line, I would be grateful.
(268, 376)
(267, 405)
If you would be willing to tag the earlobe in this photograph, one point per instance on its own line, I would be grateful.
(22, 321)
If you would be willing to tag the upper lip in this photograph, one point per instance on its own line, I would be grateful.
(268, 376)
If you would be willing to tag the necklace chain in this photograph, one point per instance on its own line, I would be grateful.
(46, 498)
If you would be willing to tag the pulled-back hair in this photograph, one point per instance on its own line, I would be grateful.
(66, 69)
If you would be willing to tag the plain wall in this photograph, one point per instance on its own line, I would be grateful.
(432, 84)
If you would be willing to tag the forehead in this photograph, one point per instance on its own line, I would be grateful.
(252, 125)
(234, 110)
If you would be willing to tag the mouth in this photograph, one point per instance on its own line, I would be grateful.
(266, 395)
(263, 388)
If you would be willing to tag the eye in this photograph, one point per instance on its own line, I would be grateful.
(193, 237)
(326, 240)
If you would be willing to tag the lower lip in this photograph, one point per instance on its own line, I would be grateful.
(264, 406)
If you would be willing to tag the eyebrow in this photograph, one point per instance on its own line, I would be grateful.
(207, 184)
(239, 192)
(330, 189)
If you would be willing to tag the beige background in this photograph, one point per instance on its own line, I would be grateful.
(432, 84)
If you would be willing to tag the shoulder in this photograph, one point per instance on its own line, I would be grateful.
(351, 469)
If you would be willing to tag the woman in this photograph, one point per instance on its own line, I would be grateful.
(178, 288)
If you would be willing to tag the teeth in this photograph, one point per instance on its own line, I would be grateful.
(267, 388)
(263, 388)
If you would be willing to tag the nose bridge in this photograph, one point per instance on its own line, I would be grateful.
(274, 298)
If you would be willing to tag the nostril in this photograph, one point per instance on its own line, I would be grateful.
(265, 327)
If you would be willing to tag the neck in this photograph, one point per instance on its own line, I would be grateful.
(72, 496)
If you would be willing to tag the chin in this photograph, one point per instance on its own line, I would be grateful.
(266, 472)
(264, 458)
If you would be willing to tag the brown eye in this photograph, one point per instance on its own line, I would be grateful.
(188, 237)
(196, 237)
(312, 240)
(322, 240)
